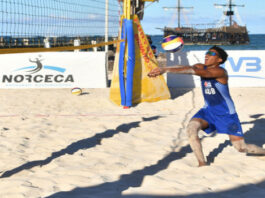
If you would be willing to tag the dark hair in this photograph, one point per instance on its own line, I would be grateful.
(222, 54)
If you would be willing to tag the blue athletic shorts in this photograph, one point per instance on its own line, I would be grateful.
(227, 123)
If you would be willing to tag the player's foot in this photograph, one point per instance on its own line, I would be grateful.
(202, 164)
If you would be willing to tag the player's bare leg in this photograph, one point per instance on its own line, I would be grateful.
(193, 128)
(240, 145)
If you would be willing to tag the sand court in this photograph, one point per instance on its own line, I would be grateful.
(55, 144)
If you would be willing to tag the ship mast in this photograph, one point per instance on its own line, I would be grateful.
(229, 13)
(179, 8)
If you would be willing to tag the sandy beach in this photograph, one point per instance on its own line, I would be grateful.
(57, 145)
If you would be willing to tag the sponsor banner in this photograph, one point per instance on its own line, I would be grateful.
(53, 70)
(245, 68)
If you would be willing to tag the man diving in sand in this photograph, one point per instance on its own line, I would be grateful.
(218, 113)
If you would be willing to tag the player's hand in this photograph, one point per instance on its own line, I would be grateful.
(156, 72)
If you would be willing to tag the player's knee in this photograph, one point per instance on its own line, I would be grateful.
(240, 146)
(193, 129)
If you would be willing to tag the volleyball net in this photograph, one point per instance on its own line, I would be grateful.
(57, 24)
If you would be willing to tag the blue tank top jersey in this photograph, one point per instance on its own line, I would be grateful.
(217, 97)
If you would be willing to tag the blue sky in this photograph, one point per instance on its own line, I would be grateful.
(28, 19)
(252, 15)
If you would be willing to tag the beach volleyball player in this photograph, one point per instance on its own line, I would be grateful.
(218, 113)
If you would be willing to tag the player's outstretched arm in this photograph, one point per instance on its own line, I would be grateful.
(214, 72)
(178, 69)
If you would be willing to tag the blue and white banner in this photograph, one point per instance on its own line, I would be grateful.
(53, 70)
(245, 68)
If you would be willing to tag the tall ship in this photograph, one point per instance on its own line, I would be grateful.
(211, 34)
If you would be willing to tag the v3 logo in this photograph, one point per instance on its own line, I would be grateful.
(244, 64)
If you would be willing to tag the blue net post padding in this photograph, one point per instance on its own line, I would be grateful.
(126, 85)
(130, 62)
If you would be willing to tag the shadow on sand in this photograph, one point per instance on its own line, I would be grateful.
(134, 179)
(106, 191)
(76, 146)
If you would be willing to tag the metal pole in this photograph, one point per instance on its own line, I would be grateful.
(178, 13)
(128, 9)
(106, 24)
(124, 8)
(230, 10)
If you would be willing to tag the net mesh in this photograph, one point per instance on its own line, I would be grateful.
(32, 23)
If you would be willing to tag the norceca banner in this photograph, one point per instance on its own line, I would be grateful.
(245, 68)
(53, 70)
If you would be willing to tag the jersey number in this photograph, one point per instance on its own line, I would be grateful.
(210, 91)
